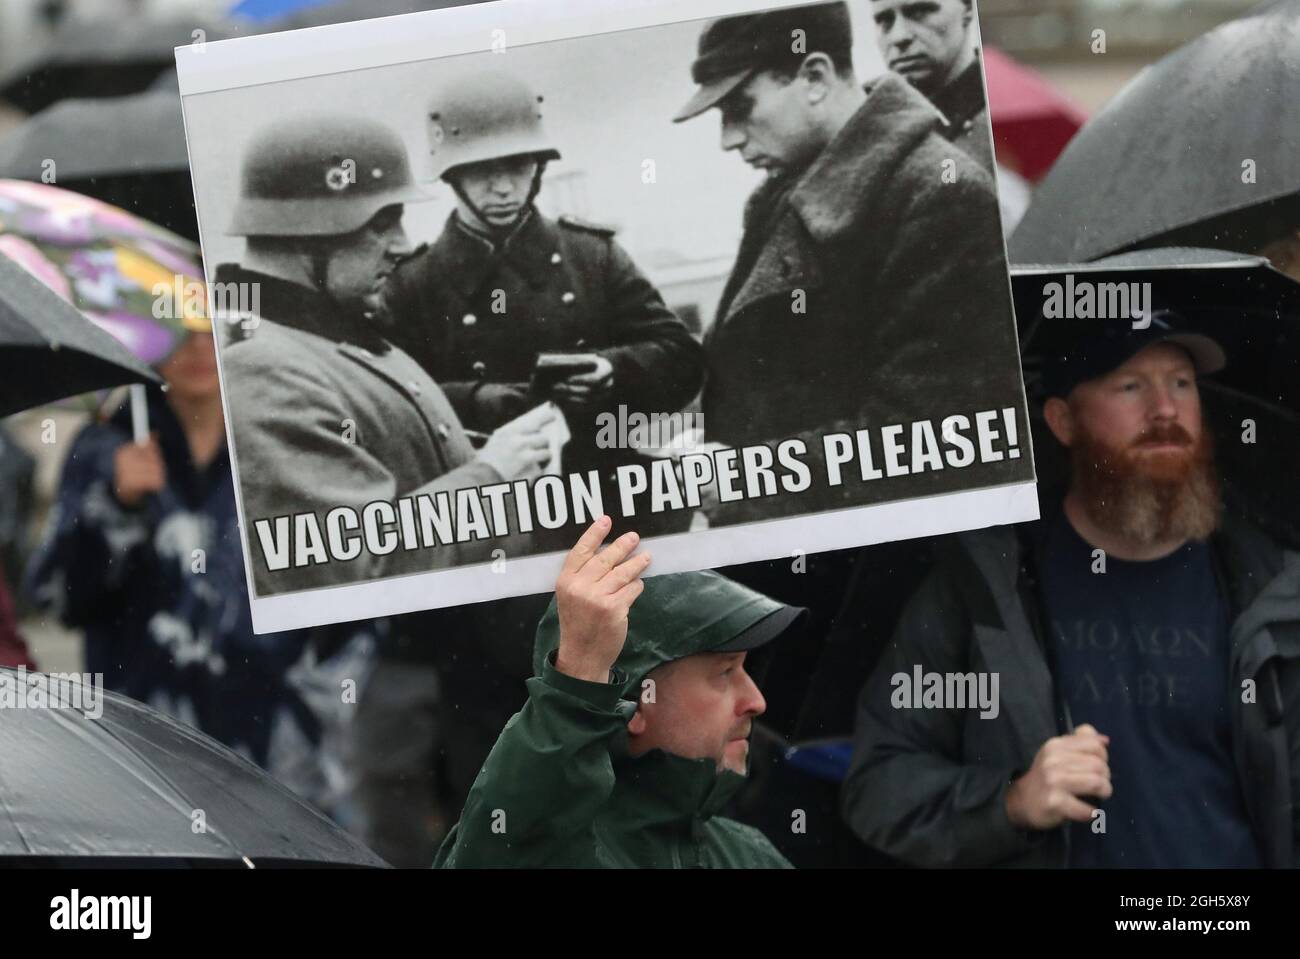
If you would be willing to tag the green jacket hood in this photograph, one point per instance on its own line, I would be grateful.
(678, 615)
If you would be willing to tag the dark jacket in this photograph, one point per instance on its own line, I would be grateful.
(471, 315)
(295, 382)
(964, 108)
(906, 304)
(560, 789)
(928, 786)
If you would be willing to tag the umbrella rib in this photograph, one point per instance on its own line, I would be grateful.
(1236, 394)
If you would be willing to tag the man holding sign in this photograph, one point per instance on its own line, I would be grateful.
(636, 730)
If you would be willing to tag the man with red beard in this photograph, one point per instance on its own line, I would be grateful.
(1147, 644)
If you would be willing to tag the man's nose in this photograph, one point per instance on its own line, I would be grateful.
(751, 701)
(733, 135)
(502, 184)
(399, 244)
(1162, 405)
(900, 35)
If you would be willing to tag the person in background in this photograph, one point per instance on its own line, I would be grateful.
(1145, 639)
(13, 649)
(142, 552)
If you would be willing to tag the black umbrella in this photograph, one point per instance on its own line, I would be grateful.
(107, 778)
(103, 58)
(1253, 311)
(1164, 163)
(49, 351)
(128, 151)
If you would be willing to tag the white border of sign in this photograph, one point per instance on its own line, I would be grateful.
(271, 58)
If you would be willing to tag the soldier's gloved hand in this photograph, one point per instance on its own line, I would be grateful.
(593, 595)
(497, 403)
(521, 448)
(586, 391)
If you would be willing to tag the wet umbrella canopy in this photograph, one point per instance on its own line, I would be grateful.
(86, 773)
(138, 282)
(1201, 149)
(49, 351)
(128, 151)
(104, 58)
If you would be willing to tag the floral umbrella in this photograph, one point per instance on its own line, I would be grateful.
(135, 280)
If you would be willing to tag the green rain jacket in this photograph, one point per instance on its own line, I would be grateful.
(559, 788)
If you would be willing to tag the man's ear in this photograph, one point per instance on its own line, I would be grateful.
(636, 726)
(1060, 420)
(818, 71)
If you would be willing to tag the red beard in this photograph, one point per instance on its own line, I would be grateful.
(1150, 497)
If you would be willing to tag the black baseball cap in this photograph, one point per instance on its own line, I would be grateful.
(1110, 344)
(733, 49)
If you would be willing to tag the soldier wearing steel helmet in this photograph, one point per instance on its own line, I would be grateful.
(504, 284)
(326, 411)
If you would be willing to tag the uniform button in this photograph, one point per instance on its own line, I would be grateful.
(479, 367)
(414, 387)
(469, 319)
(444, 430)
(556, 258)
(568, 298)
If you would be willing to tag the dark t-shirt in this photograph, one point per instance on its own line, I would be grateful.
(1142, 655)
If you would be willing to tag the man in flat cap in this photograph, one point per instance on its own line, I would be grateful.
(870, 279)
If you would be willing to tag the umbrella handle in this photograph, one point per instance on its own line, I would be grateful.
(139, 414)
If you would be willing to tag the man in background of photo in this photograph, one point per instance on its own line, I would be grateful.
(930, 43)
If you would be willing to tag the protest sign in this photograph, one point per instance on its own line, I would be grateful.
(486, 273)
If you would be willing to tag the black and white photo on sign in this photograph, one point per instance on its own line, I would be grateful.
(485, 274)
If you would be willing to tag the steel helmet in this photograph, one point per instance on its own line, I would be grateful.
(485, 116)
(320, 176)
